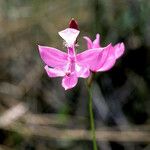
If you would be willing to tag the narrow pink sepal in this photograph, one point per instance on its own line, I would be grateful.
(52, 56)
(69, 35)
(53, 72)
(119, 49)
(69, 81)
(88, 42)
(96, 42)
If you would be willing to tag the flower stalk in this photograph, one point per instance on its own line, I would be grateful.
(92, 125)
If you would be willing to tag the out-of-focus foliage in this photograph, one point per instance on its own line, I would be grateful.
(35, 111)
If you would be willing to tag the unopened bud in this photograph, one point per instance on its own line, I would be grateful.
(73, 24)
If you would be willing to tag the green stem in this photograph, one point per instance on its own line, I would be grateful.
(91, 114)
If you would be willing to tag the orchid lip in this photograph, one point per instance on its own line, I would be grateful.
(69, 35)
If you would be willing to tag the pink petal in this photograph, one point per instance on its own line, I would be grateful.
(69, 35)
(53, 72)
(52, 56)
(88, 57)
(69, 81)
(93, 58)
(96, 42)
(119, 50)
(81, 71)
(109, 60)
(89, 42)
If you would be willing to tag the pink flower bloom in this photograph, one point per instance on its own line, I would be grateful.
(60, 64)
(69, 65)
(109, 56)
(72, 66)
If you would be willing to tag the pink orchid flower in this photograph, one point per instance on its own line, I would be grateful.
(72, 66)
(114, 53)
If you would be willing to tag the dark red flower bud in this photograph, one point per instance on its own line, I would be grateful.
(73, 24)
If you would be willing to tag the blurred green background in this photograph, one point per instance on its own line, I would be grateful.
(35, 111)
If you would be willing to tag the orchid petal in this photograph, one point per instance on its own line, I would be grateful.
(53, 72)
(93, 58)
(114, 53)
(69, 35)
(119, 50)
(52, 56)
(89, 58)
(96, 42)
(109, 61)
(89, 42)
(69, 81)
(82, 71)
